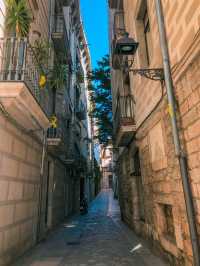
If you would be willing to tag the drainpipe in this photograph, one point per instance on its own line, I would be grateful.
(175, 132)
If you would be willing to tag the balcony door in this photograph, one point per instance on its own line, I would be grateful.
(126, 100)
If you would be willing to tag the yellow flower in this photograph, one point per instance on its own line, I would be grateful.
(42, 81)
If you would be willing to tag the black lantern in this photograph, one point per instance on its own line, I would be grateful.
(123, 58)
(126, 45)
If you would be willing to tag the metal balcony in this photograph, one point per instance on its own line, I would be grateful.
(124, 122)
(54, 136)
(118, 32)
(20, 93)
(70, 158)
(59, 34)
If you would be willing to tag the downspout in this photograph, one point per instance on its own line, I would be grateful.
(175, 132)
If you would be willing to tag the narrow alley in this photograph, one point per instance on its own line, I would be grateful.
(99, 133)
(97, 239)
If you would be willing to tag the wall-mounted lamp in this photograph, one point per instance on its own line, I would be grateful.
(126, 45)
(124, 50)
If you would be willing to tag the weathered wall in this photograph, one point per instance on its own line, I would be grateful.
(160, 175)
(182, 29)
(41, 18)
(20, 158)
(28, 212)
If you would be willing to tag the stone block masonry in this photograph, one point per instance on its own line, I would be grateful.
(20, 157)
(152, 202)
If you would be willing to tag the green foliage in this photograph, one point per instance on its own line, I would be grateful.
(80, 77)
(58, 76)
(41, 52)
(101, 100)
(57, 79)
(18, 17)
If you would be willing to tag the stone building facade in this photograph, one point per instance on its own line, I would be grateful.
(39, 182)
(150, 185)
(106, 168)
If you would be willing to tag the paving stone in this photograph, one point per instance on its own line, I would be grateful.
(97, 239)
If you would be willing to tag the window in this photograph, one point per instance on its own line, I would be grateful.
(146, 34)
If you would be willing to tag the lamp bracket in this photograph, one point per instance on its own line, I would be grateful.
(126, 65)
(156, 74)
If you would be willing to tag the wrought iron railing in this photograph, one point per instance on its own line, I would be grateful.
(60, 27)
(54, 133)
(18, 63)
(124, 114)
(58, 24)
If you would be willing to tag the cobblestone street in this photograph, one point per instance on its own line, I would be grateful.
(96, 239)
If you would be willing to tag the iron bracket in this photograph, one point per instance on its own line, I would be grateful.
(156, 74)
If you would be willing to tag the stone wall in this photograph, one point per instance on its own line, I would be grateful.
(28, 212)
(160, 186)
(161, 179)
(20, 159)
(153, 202)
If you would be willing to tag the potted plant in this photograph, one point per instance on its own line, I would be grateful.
(17, 24)
(41, 54)
(18, 17)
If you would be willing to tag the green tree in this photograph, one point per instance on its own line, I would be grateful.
(18, 17)
(101, 100)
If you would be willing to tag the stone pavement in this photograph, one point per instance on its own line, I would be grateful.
(96, 239)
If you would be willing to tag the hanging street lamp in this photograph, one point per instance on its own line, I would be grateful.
(126, 45)
(124, 50)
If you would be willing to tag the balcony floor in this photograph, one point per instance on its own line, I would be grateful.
(22, 106)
